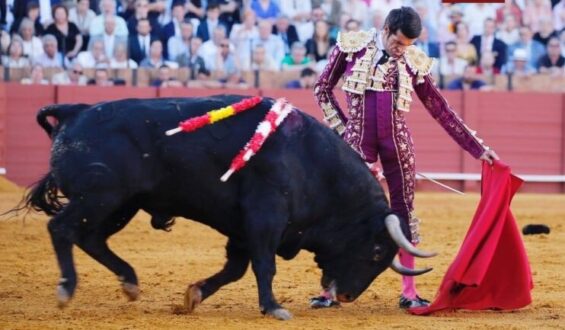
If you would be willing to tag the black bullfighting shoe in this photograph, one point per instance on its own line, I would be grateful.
(323, 302)
(406, 303)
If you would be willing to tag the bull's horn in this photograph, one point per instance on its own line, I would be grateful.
(400, 269)
(393, 226)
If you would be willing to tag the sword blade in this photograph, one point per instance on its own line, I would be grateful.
(440, 184)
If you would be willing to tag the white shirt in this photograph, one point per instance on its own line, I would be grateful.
(145, 43)
(176, 46)
(97, 26)
(129, 64)
(274, 47)
(82, 22)
(33, 48)
(208, 52)
(486, 43)
(475, 14)
(450, 69)
(109, 42)
(45, 12)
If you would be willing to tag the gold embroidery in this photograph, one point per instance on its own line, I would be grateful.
(353, 41)
(420, 64)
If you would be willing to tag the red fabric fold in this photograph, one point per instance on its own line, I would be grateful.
(491, 270)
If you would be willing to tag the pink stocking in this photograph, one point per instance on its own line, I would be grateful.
(408, 285)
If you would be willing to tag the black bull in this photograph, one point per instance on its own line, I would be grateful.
(305, 189)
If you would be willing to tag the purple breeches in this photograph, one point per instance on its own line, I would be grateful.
(376, 130)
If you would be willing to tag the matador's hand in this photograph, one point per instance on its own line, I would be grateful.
(489, 156)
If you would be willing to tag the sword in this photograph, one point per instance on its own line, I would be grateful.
(440, 184)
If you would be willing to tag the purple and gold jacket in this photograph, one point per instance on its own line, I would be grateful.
(354, 59)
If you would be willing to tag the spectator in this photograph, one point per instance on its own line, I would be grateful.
(156, 58)
(455, 16)
(272, 43)
(468, 81)
(194, 62)
(535, 11)
(352, 25)
(32, 45)
(553, 61)
(210, 23)
(195, 10)
(385, 5)
(242, 35)
(356, 9)
(475, 14)
(50, 58)
(450, 65)
(32, 13)
(299, 13)
(318, 46)
(15, 57)
(306, 81)
(180, 44)
(487, 42)
(209, 49)
(139, 43)
(423, 42)
(142, 12)
(545, 32)
(36, 76)
(109, 36)
(429, 22)
(173, 28)
(509, 8)
(509, 33)
(72, 76)
(331, 9)
(164, 78)
(265, 9)
(286, 31)
(94, 56)
(260, 61)
(225, 64)
(82, 16)
(108, 9)
(69, 39)
(486, 68)
(101, 78)
(519, 65)
(377, 21)
(120, 59)
(297, 60)
(534, 49)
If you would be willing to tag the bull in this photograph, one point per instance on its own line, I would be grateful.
(305, 189)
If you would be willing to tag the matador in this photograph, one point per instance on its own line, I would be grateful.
(381, 71)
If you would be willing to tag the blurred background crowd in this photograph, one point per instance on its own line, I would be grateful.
(266, 43)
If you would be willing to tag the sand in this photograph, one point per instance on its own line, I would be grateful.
(167, 262)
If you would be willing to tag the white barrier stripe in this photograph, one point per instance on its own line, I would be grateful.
(2, 171)
(477, 177)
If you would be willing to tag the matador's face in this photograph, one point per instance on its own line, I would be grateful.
(396, 43)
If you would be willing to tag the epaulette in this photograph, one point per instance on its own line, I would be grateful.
(418, 62)
(353, 41)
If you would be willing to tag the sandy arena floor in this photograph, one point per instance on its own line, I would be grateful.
(167, 262)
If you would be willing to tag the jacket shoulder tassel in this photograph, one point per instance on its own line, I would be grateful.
(418, 62)
(354, 41)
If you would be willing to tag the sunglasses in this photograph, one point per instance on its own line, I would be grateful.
(77, 72)
(224, 46)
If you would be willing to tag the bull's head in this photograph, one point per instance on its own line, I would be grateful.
(368, 252)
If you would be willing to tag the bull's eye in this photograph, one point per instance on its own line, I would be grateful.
(377, 253)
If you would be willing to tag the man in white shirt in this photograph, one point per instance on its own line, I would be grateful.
(450, 65)
(110, 38)
(209, 49)
(272, 43)
(51, 58)
(108, 8)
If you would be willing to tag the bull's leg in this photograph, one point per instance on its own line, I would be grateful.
(60, 232)
(94, 244)
(266, 218)
(234, 268)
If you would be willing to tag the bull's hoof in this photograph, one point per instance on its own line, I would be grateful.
(63, 296)
(131, 291)
(192, 297)
(280, 314)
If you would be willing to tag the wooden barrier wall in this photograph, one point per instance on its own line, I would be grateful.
(526, 129)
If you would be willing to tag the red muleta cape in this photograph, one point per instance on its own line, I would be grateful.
(491, 270)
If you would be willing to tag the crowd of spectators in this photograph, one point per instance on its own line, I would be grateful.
(220, 40)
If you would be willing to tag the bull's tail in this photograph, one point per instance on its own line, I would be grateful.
(60, 112)
(43, 196)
